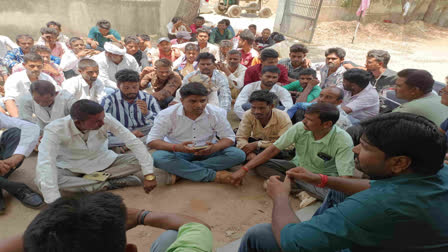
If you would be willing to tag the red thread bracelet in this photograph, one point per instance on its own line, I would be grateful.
(323, 181)
(174, 148)
(245, 168)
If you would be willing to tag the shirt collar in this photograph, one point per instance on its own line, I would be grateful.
(180, 111)
(326, 139)
(75, 131)
(120, 96)
(274, 119)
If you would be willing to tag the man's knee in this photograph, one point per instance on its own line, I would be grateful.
(235, 153)
(162, 157)
(164, 241)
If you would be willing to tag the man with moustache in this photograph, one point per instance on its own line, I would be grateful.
(321, 148)
(86, 85)
(19, 83)
(186, 135)
(132, 48)
(332, 70)
(15, 56)
(234, 71)
(76, 145)
(269, 79)
(135, 109)
(262, 125)
(187, 63)
(382, 213)
(77, 51)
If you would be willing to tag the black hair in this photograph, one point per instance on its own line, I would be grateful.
(103, 24)
(336, 50)
(54, 23)
(131, 39)
(175, 19)
(94, 222)
(359, 77)
(222, 22)
(40, 48)
(270, 69)
(127, 75)
(145, 37)
(268, 53)
(298, 48)
(203, 30)
(48, 30)
(73, 39)
(308, 71)
(327, 112)
(193, 88)
(253, 26)
(234, 51)
(248, 36)
(42, 87)
(411, 135)
(420, 79)
(206, 56)
(84, 63)
(199, 17)
(23, 36)
(278, 38)
(227, 21)
(263, 96)
(81, 109)
(32, 57)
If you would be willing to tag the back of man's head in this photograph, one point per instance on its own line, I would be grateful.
(420, 79)
(359, 77)
(81, 109)
(404, 134)
(95, 222)
(42, 87)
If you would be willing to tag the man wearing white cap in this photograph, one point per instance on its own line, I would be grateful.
(165, 51)
(181, 37)
(112, 60)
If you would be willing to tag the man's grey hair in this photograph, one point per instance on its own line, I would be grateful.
(226, 44)
(103, 24)
(40, 48)
(380, 56)
(23, 36)
(47, 30)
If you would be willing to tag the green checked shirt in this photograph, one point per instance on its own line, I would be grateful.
(337, 144)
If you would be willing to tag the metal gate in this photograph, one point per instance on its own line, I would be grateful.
(297, 18)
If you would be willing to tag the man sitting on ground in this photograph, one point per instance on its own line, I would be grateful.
(321, 148)
(224, 47)
(219, 34)
(234, 70)
(112, 60)
(107, 212)
(333, 95)
(76, 145)
(218, 85)
(132, 48)
(135, 109)
(100, 34)
(44, 104)
(403, 155)
(181, 37)
(262, 125)
(19, 83)
(86, 85)
(76, 52)
(187, 63)
(331, 70)
(49, 39)
(306, 89)
(186, 135)
(49, 67)
(61, 37)
(166, 51)
(245, 44)
(361, 100)
(269, 57)
(415, 86)
(265, 40)
(269, 79)
(204, 45)
(16, 143)
(15, 56)
(161, 82)
(197, 24)
(146, 47)
(296, 61)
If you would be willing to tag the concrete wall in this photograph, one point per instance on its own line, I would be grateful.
(78, 16)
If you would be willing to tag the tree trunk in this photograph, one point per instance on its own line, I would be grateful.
(430, 11)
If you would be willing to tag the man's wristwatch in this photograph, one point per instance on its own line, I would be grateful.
(150, 177)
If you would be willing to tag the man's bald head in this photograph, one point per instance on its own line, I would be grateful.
(333, 95)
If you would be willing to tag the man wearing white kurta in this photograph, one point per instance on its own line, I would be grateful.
(112, 60)
(76, 145)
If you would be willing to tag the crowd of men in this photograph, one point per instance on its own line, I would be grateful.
(100, 110)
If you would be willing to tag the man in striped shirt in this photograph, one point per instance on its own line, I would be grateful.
(135, 109)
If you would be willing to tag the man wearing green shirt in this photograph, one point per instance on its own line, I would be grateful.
(306, 89)
(402, 208)
(321, 147)
(415, 86)
(219, 34)
(100, 34)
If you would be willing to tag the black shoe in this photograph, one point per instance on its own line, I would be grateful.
(2, 203)
(28, 197)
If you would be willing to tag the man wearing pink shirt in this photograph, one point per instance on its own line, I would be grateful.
(49, 39)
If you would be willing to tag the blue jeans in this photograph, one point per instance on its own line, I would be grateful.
(164, 241)
(198, 168)
(261, 238)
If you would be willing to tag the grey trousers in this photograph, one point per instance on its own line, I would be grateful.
(124, 165)
(278, 167)
(116, 142)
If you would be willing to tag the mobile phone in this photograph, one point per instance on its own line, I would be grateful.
(200, 147)
(324, 156)
(98, 176)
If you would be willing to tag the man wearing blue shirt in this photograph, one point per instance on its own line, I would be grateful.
(401, 208)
